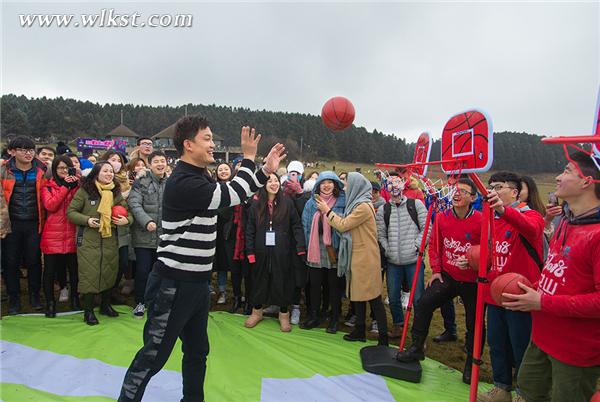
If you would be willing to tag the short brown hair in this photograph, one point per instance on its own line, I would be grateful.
(587, 167)
(186, 128)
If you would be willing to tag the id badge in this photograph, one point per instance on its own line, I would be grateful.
(270, 238)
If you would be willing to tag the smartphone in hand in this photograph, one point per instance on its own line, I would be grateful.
(552, 199)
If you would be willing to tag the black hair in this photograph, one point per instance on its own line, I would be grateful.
(588, 168)
(508, 177)
(21, 142)
(186, 128)
(261, 204)
(217, 170)
(469, 182)
(40, 149)
(88, 183)
(140, 139)
(394, 173)
(108, 154)
(154, 154)
(534, 200)
(60, 158)
(336, 188)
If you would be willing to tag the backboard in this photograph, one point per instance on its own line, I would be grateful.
(422, 154)
(467, 143)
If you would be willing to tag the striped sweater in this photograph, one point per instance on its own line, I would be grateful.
(190, 202)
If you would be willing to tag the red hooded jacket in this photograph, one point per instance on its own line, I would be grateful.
(58, 236)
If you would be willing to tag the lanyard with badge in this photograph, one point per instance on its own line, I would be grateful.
(270, 235)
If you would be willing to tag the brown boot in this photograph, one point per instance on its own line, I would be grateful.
(396, 331)
(255, 318)
(284, 322)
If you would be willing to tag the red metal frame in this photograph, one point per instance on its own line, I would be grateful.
(572, 141)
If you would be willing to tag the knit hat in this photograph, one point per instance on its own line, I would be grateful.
(296, 166)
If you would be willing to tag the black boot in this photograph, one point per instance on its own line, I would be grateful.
(50, 309)
(312, 321)
(383, 339)
(414, 353)
(90, 318)
(466, 377)
(237, 304)
(358, 334)
(75, 306)
(247, 308)
(445, 336)
(14, 305)
(34, 301)
(105, 307)
(332, 327)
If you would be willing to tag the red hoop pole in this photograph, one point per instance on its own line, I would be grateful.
(572, 140)
(416, 276)
(409, 165)
(487, 237)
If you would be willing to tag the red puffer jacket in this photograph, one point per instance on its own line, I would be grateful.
(58, 236)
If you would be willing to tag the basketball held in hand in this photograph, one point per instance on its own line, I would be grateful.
(507, 283)
(119, 210)
(472, 256)
(337, 113)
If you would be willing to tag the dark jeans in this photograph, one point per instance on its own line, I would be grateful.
(176, 309)
(316, 277)
(435, 296)
(508, 336)
(23, 245)
(144, 261)
(53, 263)
(396, 276)
(449, 316)
(542, 378)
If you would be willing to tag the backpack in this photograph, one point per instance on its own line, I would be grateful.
(531, 251)
(412, 211)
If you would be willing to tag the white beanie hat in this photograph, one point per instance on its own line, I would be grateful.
(296, 166)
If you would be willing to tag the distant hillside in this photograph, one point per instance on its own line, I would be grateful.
(66, 119)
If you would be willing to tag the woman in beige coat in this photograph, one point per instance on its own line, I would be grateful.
(358, 257)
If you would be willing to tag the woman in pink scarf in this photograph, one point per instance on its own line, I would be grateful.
(322, 244)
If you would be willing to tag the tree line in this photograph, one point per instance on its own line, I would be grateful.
(305, 136)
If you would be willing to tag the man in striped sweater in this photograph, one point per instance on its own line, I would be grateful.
(177, 293)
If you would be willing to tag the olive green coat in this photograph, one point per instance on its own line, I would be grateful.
(98, 258)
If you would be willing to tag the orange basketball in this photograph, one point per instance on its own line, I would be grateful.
(473, 254)
(119, 210)
(507, 283)
(337, 113)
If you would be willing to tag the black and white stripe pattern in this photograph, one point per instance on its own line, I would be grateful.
(191, 199)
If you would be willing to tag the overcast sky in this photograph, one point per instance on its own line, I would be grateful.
(407, 67)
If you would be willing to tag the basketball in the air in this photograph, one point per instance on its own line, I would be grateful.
(119, 210)
(472, 256)
(507, 283)
(337, 113)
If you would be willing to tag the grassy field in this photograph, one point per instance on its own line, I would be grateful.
(451, 354)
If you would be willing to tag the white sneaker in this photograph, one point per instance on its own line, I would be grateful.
(295, 316)
(222, 298)
(139, 310)
(405, 296)
(495, 394)
(351, 322)
(64, 295)
(272, 309)
(387, 300)
(374, 327)
(211, 290)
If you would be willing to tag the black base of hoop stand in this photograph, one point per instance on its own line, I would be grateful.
(381, 360)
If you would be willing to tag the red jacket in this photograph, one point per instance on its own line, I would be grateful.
(510, 255)
(568, 325)
(58, 236)
(451, 237)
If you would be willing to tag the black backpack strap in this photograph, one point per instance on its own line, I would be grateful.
(531, 251)
(387, 211)
(412, 211)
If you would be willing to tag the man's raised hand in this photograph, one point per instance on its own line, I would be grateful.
(249, 142)
(273, 159)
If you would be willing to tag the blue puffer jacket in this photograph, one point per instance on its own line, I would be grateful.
(311, 206)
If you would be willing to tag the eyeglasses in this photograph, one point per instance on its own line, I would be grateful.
(465, 192)
(26, 151)
(145, 144)
(62, 168)
(499, 187)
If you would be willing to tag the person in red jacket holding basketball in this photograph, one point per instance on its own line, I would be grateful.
(518, 232)
(453, 234)
(58, 236)
(562, 362)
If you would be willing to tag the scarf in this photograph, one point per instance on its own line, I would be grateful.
(105, 208)
(358, 191)
(240, 240)
(123, 180)
(314, 249)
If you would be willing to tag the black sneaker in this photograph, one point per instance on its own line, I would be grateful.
(445, 336)
(14, 306)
